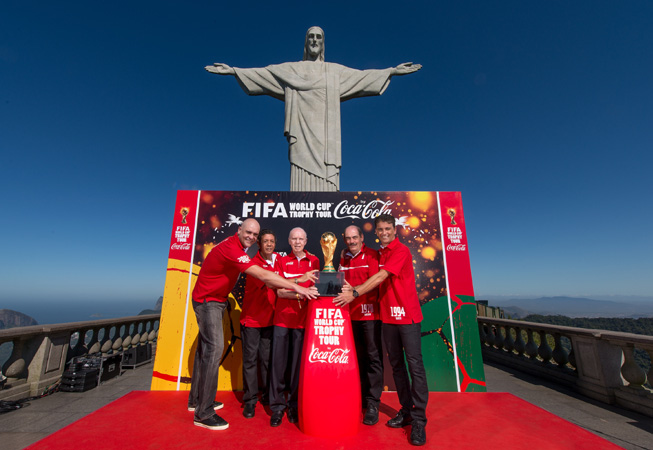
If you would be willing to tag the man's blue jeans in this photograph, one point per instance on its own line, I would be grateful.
(210, 345)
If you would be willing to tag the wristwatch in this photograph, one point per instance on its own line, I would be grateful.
(355, 293)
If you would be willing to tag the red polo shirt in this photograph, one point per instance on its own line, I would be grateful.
(220, 271)
(290, 312)
(358, 268)
(259, 299)
(397, 293)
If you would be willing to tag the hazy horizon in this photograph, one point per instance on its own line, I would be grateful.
(47, 312)
(50, 312)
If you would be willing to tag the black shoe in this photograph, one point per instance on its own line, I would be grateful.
(276, 418)
(293, 417)
(248, 410)
(417, 434)
(213, 423)
(216, 406)
(400, 420)
(371, 415)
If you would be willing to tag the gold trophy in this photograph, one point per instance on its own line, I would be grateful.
(328, 242)
(452, 214)
(184, 212)
(329, 282)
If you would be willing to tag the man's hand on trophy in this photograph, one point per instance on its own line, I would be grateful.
(307, 293)
(346, 296)
(308, 276)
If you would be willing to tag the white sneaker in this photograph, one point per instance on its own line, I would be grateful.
(216, 406)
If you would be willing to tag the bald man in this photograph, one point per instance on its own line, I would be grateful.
(215, 281)
(288, 329)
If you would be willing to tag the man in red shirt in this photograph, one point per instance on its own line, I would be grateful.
(401, 315)
(215, 281)
(256, 324)
(359, 263)
(288, 330)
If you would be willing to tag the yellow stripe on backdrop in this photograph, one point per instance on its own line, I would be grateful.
(177, 342)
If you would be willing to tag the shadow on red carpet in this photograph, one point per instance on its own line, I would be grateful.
(159, 420)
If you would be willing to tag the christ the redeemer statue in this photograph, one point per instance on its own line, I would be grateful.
(312, 91)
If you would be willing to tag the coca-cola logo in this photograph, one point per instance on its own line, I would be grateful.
(176, 246)
(456, 247)
(335, 356)
(363, 210)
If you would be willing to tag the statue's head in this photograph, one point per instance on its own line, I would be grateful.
(314, 44)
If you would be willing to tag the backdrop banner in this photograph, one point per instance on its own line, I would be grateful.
(431, 224)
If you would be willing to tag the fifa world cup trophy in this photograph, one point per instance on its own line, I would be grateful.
(452, 214)
(328, 243)
(329, 281)
(184, 212)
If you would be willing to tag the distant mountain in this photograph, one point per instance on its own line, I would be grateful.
(12, 319)
(573, 307)
(156, 310)
(514, 312)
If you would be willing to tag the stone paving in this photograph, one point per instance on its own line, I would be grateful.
(630, 430)
(44, 416)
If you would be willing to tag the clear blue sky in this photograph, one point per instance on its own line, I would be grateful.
(540, 113)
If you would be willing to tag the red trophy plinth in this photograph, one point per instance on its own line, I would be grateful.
(329, 384)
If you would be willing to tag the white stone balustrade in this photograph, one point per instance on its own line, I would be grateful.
(597, 363)
(40, 352)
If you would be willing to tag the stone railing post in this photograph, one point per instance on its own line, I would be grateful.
(559, 355)
(520, 345)
(598, 364)
(632, 394)
(544, 351)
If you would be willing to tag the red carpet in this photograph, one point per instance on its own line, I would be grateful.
(159, 419)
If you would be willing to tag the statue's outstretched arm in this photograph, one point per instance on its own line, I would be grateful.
(220, 69)
(405, 68)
